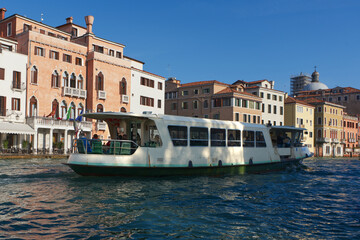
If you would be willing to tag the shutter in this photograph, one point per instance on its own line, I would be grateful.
(2, 73)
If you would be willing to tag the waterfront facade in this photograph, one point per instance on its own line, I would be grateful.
(301, 114)
(351, 136)
(328, 128)
(211, 99)
(272, 106)
(147, 90)
(14, 132)
(69, 71)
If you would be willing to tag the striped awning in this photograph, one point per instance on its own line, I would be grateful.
(16, 128)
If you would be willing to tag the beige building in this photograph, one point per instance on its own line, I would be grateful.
(328, 128)
(301, 114)
(211, 99)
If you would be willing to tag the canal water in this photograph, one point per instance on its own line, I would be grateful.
(41, 198)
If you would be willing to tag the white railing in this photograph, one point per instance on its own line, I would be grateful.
(323, 139)
(101, 126)
(125, 98)
(74, 92)
(18, 87)
(101, 94)
(46, 122)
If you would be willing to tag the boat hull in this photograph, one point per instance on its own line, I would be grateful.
(93, 170)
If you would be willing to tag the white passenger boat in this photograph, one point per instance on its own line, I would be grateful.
(165, 145)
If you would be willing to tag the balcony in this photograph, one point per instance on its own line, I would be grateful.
(52, 123)
(125, 98)
(352, 140)
(343, 141)
(101, 126)
(101, 94)
(74, 92)
(335, 140)
(18, 86)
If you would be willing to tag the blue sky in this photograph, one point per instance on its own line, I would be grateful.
(196, 40)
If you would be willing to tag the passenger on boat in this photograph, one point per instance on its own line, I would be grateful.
(280, 140)
(85, 142)
(287, 141)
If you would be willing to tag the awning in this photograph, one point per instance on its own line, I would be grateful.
(16, 128)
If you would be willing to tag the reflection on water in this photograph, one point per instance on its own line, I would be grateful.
(41, 198)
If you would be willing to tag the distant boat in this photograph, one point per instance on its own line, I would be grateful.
(165, 145)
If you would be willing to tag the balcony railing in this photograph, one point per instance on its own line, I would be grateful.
(101, 94)
(15, 86)
(46, 122)
(323, 140)
(74, 92)
(101, 126)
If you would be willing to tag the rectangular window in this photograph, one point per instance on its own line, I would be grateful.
(159, 103)
(111, 52)
(226, 102)
(118, 54)
(184, 105)
(147, 82)
(251, 104)
(196, 91)
(261, 94)
(217, 102)
(275, 110)
(146, 101)
(185, 93)
(159, 85)
(67, 58)
(199, 136)
(39, 51)
(2, 74)
(217, 137)
(2, 106)
(260, 140)
(42, 31)
(78, 61)
(237, 117)
(15, 104)
(173, 106)
(254, 119)
(195, 104)
(54, 55)
(280, 98)
(269, 108)
(9, 29)
(16, 79)
(248, 139)
(244, 117)
(234, 138)
(257, 105)
(97, 48)
(206, 90)
(244, 103)
(178, 135)
(281, 110)
(268, 96)
(262, 107)
(274, 97)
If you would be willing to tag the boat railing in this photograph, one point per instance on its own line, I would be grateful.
(104, 146)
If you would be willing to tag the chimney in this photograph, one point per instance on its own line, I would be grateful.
(89, 22)
(69, 20)
(2, 13)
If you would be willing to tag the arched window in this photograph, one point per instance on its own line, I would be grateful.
(99, 108)
(55, 108)
(65, 79)
(123, 109)
(123, 86)
(63, 109)
(80, 109)
(34, 75)
(33, 107)
(72, 110)
(100, 82)
(73, 81)
(55, 83)
(319, 134)
(80, 82)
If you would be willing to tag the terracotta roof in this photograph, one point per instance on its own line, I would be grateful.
(202, 83)
(289, 100)
(316, 101)
(258, 81)
(231, 90)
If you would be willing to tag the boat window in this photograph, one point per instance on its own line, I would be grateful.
(178, 135)
(217, 137)
(199, 136)
(234, 138)
(248, 138)
(260, 140)
(155, 140)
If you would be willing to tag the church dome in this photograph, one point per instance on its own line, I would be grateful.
(315, 83)
(315, 86)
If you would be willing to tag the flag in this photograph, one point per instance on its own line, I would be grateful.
(67, 114)
(79, 118)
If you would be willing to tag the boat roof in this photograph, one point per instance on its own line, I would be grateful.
(129, 115)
